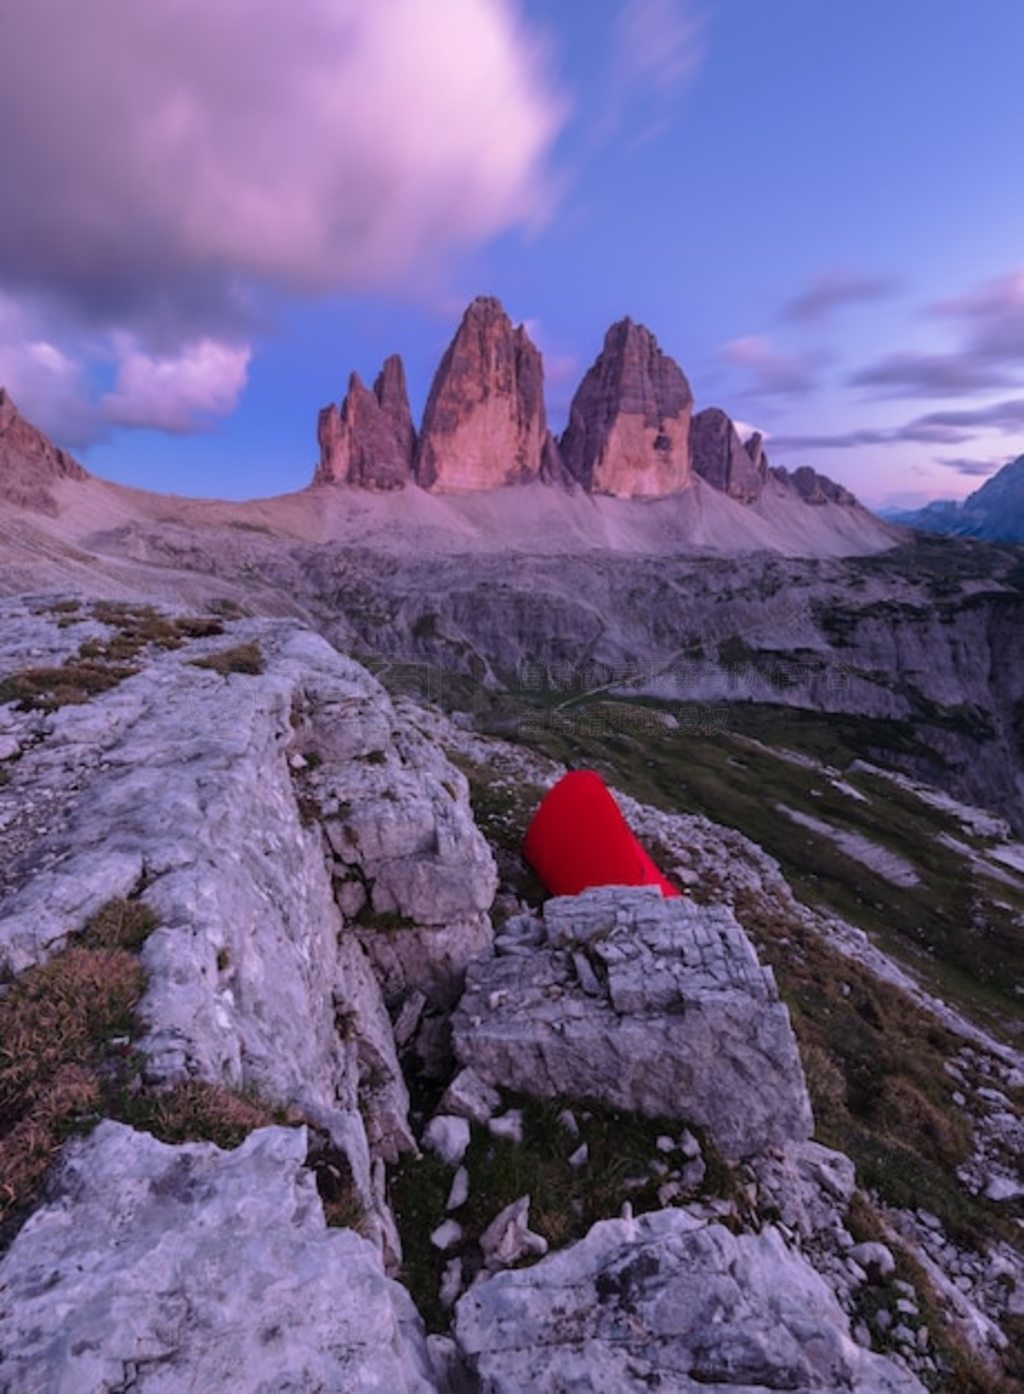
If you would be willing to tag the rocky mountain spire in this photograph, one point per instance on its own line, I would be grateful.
(485, 424)
(370, 441)
(629, 424)
(720, 458)
(754, 446)
(30, 463)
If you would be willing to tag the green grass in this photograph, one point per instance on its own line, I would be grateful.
(565, 1202)
(948, 927)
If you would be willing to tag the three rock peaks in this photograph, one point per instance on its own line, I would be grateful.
(632, 432)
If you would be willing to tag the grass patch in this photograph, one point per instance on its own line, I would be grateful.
(72, 683)
(56, 1025)
(950, 930)
(874, 1063)
(195, 1111)
(66, 1062)
(243, 658)
(565, 1201)
(960, 1370)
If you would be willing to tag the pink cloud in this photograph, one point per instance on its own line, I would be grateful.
(771, 372)
(181, 393)
(322, 145)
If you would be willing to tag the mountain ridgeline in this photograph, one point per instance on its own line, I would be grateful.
(994, 513)
(632, 430)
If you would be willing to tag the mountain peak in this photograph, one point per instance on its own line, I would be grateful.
(485, 424)
(30, 464)
(629, 424)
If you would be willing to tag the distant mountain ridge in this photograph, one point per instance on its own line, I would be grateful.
(632, 431)
(636, 470)
(994, 513)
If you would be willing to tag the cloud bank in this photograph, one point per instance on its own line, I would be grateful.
(183, 156)
(835, 290)
(989, 324)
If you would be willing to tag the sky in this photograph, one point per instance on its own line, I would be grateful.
(214, 210)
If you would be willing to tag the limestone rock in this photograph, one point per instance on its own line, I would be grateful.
(629, 424)
(183, 777)
(30, 464)
(485, 424)
(448, 1136)
(754, 446)
(720, 457)
(508, 1238)
(688, 1024)
(370, 440)
(666, 1301)
(161, 1268)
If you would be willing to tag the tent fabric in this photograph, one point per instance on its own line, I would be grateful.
(579, 838)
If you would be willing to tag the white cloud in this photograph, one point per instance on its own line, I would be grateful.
(180, 150)
(181, 393)
(166, 163)
(47, 384)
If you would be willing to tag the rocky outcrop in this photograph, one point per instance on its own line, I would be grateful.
(812, 487)
(30, 464)
(720, 457)
(370, 440)
(666, 1292)
(196, 786)
(754, 446)
(629, 424)
(223, 1275)
(648, 1005)
(485, 424)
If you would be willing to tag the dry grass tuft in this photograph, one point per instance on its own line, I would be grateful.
(243, 658)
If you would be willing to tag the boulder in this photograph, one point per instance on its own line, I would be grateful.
(629, 423)
(666, 1302)
(161, 1268)
(370, 440)
(485, 425)
(688, 1023)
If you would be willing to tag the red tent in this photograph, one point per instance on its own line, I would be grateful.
(578, 838)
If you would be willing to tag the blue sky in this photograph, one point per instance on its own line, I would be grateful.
(817, 206)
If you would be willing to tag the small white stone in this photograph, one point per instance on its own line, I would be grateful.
(688, 1145)
(447, 1235)
(459, 1193)
(877, 1259)
(451, 1283)
(567, 1120)
(508, 1126)
(298, 762)
(665, 1144)
(448, 1137)
(580, 1157)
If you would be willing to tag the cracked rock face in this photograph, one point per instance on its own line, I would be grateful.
(720, 457)
(180, 780)
(369, 441)
(30, 463)
(653, 1005)
(161, 1269)
(485, 424)
(667, 1302)
(629, 424)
